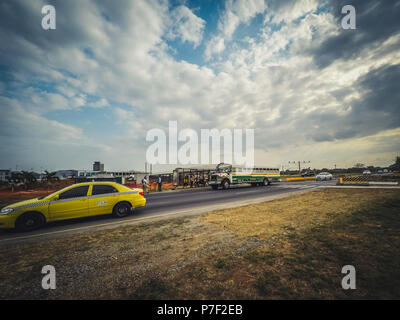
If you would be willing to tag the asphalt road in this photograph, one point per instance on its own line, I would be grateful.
(168, 204)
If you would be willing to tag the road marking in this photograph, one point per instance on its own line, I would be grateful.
(294, 186)
(210, 207)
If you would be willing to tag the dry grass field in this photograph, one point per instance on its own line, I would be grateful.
(292, 248)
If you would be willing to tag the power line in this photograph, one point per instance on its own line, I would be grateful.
(299, 162)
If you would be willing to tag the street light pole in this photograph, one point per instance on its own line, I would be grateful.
(299, 163)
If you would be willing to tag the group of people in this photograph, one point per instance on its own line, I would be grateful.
(145, 184)
(193, 181)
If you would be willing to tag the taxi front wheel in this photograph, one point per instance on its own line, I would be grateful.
(30, 221)
(122, 209)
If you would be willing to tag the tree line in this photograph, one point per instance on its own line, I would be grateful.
(28, 178)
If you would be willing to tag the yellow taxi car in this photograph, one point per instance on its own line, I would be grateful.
(76, 201)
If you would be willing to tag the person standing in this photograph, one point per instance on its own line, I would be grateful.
(159, 181)
(145, 185)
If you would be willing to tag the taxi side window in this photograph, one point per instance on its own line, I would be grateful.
(103, 189)
(74, 193)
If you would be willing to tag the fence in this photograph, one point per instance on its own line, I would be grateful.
(367, 179)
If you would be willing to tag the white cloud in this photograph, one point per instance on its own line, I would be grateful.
(215, 46)
(186, 26)
(273, 85)
(288, 11)
(236, 12)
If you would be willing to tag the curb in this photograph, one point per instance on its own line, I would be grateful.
(300, 179)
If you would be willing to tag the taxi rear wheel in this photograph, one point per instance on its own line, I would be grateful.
(30, 221)
(122, 209)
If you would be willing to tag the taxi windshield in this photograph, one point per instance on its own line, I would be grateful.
(51, 194)
(46, 195)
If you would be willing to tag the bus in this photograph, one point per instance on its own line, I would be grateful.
(227, 175)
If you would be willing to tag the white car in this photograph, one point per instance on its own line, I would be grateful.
(323, 176)
(366, 172)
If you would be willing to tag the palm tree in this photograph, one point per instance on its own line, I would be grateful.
(28, 178)
(396, 165)
(49, 177)
(15, 178)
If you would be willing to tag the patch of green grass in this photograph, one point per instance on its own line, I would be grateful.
(162, 236)
(83, 248)
(151, 289)
(256, 256)
(360, 239)
(223, 264)
(270, 285)
(181, 221)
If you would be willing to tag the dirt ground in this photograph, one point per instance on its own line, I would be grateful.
(292, 248)
(8, 197)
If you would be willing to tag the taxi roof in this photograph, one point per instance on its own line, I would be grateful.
(94, 182)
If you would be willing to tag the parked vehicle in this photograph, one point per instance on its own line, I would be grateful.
(366, 172)
(308, 173)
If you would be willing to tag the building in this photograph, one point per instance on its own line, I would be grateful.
(65, 174)
(4, 175)
(98, 166)
(118, 176)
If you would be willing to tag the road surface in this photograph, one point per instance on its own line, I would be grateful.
(169, 204)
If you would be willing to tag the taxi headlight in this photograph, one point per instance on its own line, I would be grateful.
(6, 210)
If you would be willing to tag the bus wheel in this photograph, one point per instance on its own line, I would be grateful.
(225, 185)
(265, 182)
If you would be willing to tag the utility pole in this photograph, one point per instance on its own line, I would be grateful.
(299, 163)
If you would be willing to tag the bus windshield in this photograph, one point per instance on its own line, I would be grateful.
(221, 168)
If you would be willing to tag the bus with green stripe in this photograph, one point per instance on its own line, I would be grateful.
(227, 175)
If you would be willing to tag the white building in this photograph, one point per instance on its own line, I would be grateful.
(4, 175)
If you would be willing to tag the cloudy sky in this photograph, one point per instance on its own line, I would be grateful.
(91, 89)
